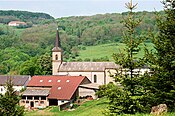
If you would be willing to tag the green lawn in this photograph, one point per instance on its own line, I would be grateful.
(89, 108)
(107, 50)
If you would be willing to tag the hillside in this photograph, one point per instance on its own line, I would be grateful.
(105, 51)
(81, 36)
(99, 29)
(32, 17)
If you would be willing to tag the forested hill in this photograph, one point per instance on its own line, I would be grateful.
(20, 49)
(99, 29)
(10, 15)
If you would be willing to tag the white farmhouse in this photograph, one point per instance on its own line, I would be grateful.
(16, 23)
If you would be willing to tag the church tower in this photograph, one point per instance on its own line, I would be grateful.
(56, 55)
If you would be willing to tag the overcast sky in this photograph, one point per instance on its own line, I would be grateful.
(64, 8)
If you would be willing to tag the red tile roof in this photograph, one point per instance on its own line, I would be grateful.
(62, 87)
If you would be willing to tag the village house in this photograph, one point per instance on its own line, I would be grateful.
(96, 72)
(19, 82)
(17, 23)
(43, 91)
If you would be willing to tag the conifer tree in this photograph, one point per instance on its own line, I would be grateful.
(163, 60)
(9, 102)
(125, 97)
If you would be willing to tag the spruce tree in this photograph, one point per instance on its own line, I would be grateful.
(125, 97)
(9, 102)
(163, 60)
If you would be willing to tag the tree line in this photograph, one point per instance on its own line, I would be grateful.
(30, 17)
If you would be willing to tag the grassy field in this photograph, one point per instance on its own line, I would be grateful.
(107, 50)
(89, 108)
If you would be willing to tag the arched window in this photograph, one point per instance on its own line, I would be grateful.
(95, 78)
(56, 57)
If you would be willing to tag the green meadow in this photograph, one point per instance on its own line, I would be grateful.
(89, 108)
(104, 50)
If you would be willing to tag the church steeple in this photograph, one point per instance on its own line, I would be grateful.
(57, 43)
(56, 55)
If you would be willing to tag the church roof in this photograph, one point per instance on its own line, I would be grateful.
(87, 66)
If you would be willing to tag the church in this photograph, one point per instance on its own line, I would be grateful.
(96, 72)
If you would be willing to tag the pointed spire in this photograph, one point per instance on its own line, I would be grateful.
(57, 41)
(57, 46)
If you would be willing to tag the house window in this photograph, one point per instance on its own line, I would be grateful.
(41, 102)
(95, 78)
(29, 97)
(62, 101)
(36, 102)
(59, 81)
(43, 97)
(1, 89)
(41, 81)
(36, 98)
(56, 57)
(23, 97)
(27, 102)
(67, 81)
(50, 81)
(23, 102)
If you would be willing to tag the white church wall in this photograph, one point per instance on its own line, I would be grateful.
(89, 75)
(109, 75)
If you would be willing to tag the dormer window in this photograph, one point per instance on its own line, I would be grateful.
(50, 81)
(67, 81)
(41, 81)
(59, 81)
(59, 88)
(56, 57)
